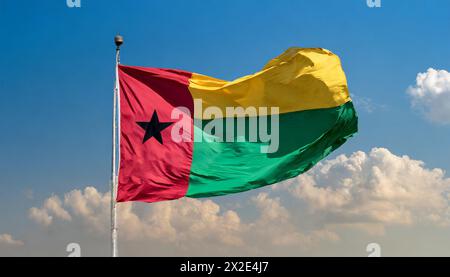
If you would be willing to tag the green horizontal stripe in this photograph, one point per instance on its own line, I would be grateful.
(306, 137)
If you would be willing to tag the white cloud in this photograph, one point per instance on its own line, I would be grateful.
(91, 206)
(431, 95)
(275, 226)
(173, 221)
(369, 191)
(7, 239)
(183, 223)
(366, 104)
(362, 193)
(40, 216)
(185, 220)
(51, 208)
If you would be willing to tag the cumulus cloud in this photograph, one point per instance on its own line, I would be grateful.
(185, 220)
(276, 227)
(89, 206)
(371, 190)
(183, 223)
(431, 95)
(51, 208)
(7, 239)
(362, 192)
(173, 221)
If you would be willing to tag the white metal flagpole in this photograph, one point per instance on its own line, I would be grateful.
(114, 178)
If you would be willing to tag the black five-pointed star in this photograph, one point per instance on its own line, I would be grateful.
(153, 128)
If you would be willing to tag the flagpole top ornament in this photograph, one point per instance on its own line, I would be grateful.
(118, 40)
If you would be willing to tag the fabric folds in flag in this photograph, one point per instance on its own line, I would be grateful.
(187, 134)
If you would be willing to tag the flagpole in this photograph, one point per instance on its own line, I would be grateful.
(114, 178)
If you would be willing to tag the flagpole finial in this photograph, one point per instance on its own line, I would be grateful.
(118, 40)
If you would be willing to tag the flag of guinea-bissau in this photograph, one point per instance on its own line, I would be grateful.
(315, 114)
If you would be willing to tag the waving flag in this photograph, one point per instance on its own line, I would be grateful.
(186, 134)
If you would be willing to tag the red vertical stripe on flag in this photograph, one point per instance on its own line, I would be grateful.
(153, 167)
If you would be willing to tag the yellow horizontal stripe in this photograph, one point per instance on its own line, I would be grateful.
(299, 79)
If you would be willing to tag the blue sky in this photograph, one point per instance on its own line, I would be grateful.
(57, 69)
